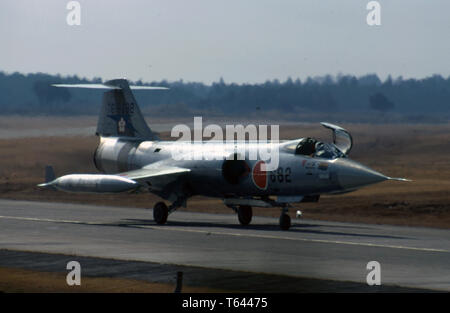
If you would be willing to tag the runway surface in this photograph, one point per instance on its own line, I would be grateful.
(409, 257)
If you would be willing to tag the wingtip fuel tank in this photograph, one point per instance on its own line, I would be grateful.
(92, 183)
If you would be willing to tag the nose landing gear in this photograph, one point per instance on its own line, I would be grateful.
(285, 219)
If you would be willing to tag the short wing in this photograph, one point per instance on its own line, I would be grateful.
(156, 175)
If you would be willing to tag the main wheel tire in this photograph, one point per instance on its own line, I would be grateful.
(245, 214)
(285, 221)
(160, 213)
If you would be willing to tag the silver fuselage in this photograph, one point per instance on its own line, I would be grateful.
(296, 175)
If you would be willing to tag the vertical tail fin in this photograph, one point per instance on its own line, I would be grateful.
(120, 115)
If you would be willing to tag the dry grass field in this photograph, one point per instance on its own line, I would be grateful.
(415, 151)
(14, 280)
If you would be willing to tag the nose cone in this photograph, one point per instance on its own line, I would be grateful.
(352, 175)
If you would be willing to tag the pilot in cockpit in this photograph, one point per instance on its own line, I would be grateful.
(306, 146)
(317, 149)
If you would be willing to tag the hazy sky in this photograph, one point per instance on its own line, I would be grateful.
(239, 40)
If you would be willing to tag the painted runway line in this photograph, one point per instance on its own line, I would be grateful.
(220, 233)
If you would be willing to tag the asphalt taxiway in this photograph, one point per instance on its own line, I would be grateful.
(410, 257)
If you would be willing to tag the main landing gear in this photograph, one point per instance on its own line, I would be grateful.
(245, 214)
(161, 211)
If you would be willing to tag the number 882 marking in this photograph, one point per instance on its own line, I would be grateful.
(282, 175)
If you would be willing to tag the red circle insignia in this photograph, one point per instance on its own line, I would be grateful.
(259, 175)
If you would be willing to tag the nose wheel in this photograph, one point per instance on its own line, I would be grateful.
(285, 220)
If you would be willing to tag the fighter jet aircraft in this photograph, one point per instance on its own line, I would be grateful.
(131, 158)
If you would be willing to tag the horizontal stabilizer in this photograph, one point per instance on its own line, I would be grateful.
(120, 115)
(108, 87)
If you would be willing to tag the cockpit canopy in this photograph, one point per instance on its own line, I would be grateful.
(341, 146)
(327, 151)
(314, 148)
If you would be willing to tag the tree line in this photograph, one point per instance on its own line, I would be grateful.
(33, 94)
